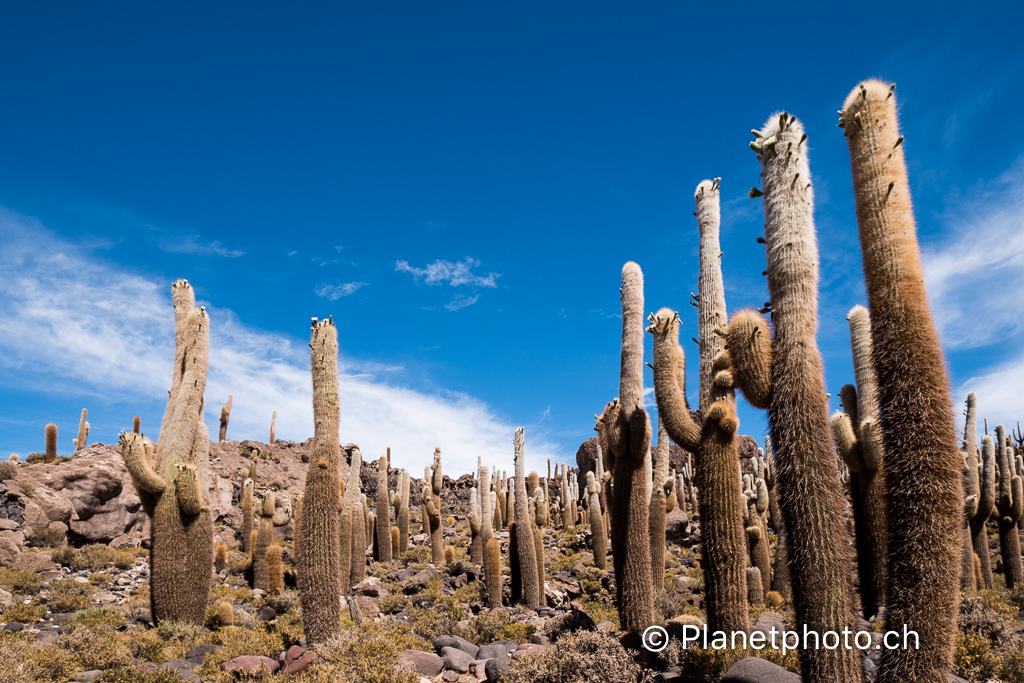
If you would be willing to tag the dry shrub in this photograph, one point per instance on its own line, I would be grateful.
(580, 658)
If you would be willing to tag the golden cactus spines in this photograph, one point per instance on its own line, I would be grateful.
(527, 549)
(320, 569)
(492, 572)
(926, 503)
(51, 442)
(275, 570)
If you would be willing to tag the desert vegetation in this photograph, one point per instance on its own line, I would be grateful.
(174, 557)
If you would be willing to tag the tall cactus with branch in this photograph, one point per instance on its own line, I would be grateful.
(859, 442)
(711, 433)
(979, 482)
(626, 429)
(926, 507)
(784, 374)
(225, 416)
(320, 568)
(433, 482)
(171, 479)
(1011, 509)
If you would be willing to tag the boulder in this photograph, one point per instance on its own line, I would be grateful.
(755, 670)
(251, 665)
(35, 562)
(456, 659)
(425, 663)
(441, 642)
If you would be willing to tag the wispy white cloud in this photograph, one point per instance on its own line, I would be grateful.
(461, 301)
(191, 244)
(454, 273)
(975, 268)
(335, 292)
(68, 318)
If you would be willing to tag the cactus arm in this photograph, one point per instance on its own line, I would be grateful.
(1016, 507)
(188, 489)
(133, 451)
(669, 380)
(846, 441)
(437, 479)
(750, 357)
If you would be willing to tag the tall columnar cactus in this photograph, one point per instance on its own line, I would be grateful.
(247, 518)
(403, 513)
(538, 544)
(275, 570)
(757, 540)
(711, 437)
(658, 510)
(598, 543)
(83, 431)
(476, 548)
(979, 482)
(524, 528)
(436, 479)
(492, 572)
(172, 481)
(51, 443)
(357, 552)
(1011, 508)
(320, 568)
(926, 504)
(270, 516)
(297, 529)
(273, 420)
(859, 443)
(785, 375)
(225, 415)
(136, 424)
(625, 428)
(515, 578)
(383, 511)
(486, 531)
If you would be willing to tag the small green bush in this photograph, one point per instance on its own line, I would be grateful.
(67, 595)
(45, 537)
(25, 614)
(94, 616)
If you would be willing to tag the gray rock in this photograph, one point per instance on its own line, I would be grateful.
(441, 642)
(424, 663)
(456, 659)
(755, 670)
(495, 669)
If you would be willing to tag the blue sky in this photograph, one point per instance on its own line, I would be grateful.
(459, 184)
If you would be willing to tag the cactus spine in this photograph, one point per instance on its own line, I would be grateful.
(320, 569)
(981, 483)
(626, 429)
(926, 504)
(225, 415)
(173, 485)
(1011, 508)
(786, 373)
(83, 431)
(712, 437)
(51, 442)
(383, 511)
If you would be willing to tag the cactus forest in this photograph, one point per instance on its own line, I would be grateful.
(678, 546)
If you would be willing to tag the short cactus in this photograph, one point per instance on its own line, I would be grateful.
(51, 443)
(274, 570)
(83, 432)
(270, 517)
(492, 572)
(598, 541)
(225, 415)
(755, 590)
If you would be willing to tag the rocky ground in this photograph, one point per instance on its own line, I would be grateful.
(74, 598)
